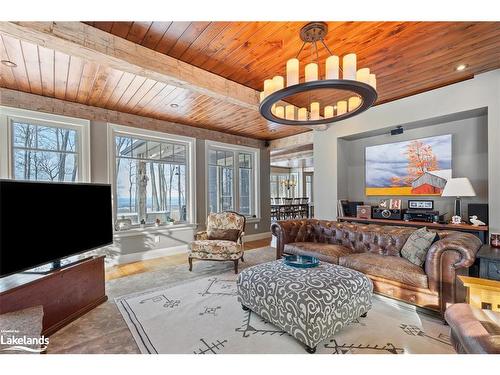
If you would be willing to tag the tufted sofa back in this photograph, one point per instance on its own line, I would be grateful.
(384, 240)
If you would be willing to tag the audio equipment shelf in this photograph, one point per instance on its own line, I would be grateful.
(481, 232)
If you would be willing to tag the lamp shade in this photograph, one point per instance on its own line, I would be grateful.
(458, 187)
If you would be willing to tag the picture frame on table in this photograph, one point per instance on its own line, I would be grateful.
(495, 239)
(384, 203)
(395, 204)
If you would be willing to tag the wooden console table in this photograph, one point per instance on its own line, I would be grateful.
(65, 294)
(482, 293)
(481, 232)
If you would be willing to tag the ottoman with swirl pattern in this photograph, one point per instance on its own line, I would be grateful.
(311, 304)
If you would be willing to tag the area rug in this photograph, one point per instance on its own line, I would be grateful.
(204, 317)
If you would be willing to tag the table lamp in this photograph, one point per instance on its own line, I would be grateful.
(458, 187)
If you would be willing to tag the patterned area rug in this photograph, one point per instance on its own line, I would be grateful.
(204, 317)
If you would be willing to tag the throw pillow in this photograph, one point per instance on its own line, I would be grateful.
(416, 246)
(224, 234)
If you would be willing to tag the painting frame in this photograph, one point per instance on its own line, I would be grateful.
(413, 167)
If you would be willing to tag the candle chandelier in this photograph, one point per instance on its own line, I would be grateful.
(348, 91)
(289, 184)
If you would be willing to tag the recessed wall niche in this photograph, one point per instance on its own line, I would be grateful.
(469, 132)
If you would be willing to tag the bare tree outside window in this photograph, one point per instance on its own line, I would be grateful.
(44, 153)
(230, 186)
(150, 180)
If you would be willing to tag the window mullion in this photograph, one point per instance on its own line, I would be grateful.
(236, 182)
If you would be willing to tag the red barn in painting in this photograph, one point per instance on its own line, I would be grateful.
(430, 183)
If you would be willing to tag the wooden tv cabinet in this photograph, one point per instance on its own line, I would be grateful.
(65, 294)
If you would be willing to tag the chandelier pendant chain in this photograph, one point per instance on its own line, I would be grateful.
(300, 50)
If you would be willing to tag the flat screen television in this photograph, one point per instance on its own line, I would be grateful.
(43, 222)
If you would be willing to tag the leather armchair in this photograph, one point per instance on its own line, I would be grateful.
(474, 331)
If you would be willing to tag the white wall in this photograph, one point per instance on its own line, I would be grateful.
(483, 91)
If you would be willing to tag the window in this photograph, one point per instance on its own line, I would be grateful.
(309, 186)
(245, 183)
(284, 185)
(151, 178)
(43, 147)
(44, 153)
(232, 177)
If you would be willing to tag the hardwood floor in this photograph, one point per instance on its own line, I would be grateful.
(134, 268)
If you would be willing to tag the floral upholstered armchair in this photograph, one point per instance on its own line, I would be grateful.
(222, 241)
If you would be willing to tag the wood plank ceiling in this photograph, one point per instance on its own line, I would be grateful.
(55, 74)
(408, 58)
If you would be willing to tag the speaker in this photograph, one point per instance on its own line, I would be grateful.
(350, 208)
(478, 209)
(384, 213)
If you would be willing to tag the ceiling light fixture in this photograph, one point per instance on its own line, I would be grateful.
(460, 67)
(174, 105)
(354, 93)
(10, 64)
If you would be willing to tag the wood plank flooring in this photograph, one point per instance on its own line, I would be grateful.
(148, 265)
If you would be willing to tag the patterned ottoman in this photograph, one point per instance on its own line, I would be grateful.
(311, 304)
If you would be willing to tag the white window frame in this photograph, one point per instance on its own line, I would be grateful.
(255, 152)
(190, 143)
(81, 126)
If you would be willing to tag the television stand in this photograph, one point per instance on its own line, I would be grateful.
(53, 266)
(65, 293)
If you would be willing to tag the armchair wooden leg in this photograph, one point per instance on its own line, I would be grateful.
(236, 266)
(190, 263)
(242, 257)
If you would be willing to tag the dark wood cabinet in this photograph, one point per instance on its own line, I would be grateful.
(489, 262)
(65, 294)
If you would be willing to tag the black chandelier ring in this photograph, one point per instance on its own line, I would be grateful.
(367, 93)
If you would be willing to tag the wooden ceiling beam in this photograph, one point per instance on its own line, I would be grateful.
(92, 44)
(291, 142)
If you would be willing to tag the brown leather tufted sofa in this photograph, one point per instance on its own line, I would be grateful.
(374, 250)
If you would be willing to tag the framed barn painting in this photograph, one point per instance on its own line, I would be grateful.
(415, 167)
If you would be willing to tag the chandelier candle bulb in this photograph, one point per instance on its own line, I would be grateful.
(341, 107)
(292, 72)
(311, 72)
(302, 114)
(354, 102)
(278, 83)
(329, 111)
(290, 112)
(314, 111)
(349, 66)
(363, 75)
(332, 67)
(373, 81)
(280, 111)
(268, 87)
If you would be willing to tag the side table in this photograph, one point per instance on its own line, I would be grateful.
(489, 265)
